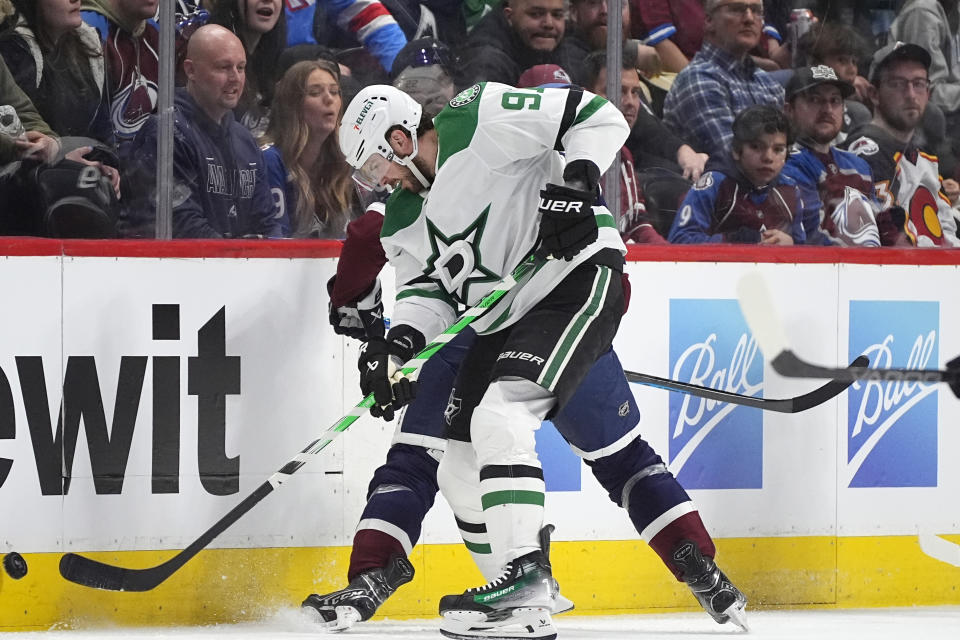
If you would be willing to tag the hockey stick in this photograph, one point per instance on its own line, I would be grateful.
(783, 405)
(99, 575)
(757, 306)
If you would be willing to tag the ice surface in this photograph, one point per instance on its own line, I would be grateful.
(920, 623)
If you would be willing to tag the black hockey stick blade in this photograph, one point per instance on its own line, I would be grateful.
(781, 405)
(789, 365)
(100, 575)
(758, 308)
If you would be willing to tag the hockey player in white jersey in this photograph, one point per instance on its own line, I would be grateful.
(498, 190)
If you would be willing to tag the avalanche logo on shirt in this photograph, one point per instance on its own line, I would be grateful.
(714, 445)
(892, 426)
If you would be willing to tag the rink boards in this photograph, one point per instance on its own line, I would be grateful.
(145, 389)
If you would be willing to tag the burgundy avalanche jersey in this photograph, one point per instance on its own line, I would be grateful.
(133, 67)
(720, 208)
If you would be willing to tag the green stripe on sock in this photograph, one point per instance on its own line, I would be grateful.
(511, 496)
(476, 548)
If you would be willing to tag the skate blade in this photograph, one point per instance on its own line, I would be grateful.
(346, 617)
(524, 623)
(737, 614)
(562, 605)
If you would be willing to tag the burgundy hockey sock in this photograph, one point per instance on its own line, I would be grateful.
(689, 526)
(372, 549)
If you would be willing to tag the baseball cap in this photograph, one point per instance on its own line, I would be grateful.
(806, 78)
(543, 74)
(897, 51)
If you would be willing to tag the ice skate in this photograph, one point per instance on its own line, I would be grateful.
(515, 605)
(712, 588)
(360, 599)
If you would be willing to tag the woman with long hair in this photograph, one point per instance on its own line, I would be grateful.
(57, 60)
(309, 177)
(261, 26)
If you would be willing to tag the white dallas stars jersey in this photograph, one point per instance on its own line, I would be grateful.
(498, 147)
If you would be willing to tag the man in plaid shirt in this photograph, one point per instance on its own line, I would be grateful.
(722, 80)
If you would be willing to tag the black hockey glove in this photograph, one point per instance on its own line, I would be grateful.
(379, 364)
(567, 223)
(361, 319)
(954, 367)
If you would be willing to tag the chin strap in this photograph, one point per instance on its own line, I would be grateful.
(419, 175)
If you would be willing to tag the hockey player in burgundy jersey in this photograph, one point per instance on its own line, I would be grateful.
(404, 487)
(744, 199)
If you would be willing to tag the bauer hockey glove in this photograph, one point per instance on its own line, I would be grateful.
(567, 223)
(380, 360)
(360, 319)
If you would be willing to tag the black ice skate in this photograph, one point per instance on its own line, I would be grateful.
(360, 599)
(516, 604)
(713, 589)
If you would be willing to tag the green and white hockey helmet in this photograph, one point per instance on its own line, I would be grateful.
(363, 131)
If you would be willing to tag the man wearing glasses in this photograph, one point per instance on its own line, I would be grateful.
(906, 175)
(722, 79)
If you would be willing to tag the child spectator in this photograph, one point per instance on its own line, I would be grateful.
(310, 180)
(744, 199)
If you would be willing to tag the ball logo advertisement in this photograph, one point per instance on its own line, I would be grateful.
(892, 426)
(714, 445)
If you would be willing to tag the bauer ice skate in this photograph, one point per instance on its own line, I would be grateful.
(360, 599)
(712, 588)
(515, 605)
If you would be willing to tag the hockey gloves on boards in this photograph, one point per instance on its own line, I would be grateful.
(360, 319)
(379, 364)
(567, 223)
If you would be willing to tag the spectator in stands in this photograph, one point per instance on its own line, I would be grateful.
(262, 28)
(722, 80)
(905, 174)
(220, 186)
(587, 32)
(507, 41)
(824, 173)
(841, 48)
(935, 26)
(131, 44)
(309, 178)
(367, 21)
(673, 27)
(38, 143)
(58, 62)
(650, 143)
(743, 198)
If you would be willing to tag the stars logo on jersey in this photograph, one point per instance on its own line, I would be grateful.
(466, 96)
(455, 260)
